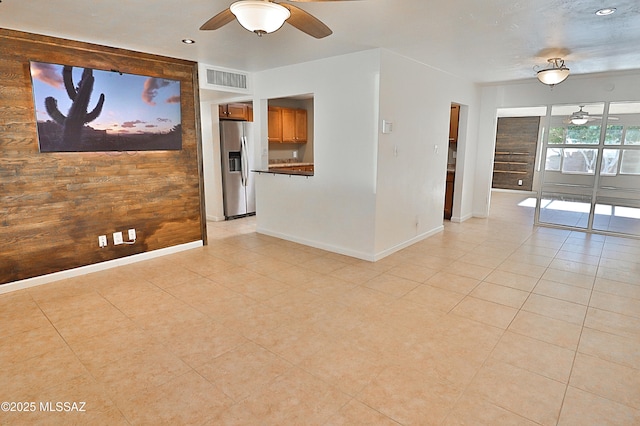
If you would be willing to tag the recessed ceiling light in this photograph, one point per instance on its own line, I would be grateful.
(606, 11)
(188, 41)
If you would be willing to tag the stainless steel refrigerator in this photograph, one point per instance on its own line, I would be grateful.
(238, 182)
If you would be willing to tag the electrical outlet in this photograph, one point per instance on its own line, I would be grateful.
(102, 241)
(117, 238)
(132, 234)
(519, 182)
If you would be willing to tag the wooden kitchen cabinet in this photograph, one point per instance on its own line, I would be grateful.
(301, 125)
(241, 112)
(287, 125)
(275, 124)
(453, 124)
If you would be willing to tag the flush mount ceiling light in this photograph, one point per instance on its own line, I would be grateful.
(188, 41)
(557, 73)
(259, 16)
(606, 11)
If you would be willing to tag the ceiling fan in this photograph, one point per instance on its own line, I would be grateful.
(583, 117)
(266, 16)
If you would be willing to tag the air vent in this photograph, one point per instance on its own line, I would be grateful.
(226, 79)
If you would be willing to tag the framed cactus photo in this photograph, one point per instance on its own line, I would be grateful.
(84, 109)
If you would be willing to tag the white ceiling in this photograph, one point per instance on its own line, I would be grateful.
(481, 40)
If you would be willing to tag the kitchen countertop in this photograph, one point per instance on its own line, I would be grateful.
(286, 169)
(276, 165)
(277, 171)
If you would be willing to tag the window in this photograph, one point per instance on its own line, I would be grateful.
(630, 164)
(609, 165)
(575, 135)
(583, 135)
(554, 159)
(579, 160)
(613, 136)
(556, 135)
(576, 160)
(632, 135)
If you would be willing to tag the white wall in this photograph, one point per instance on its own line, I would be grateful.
(212, 172)
(364, 200)
(577, 89)
(334, 209)
(412, 160)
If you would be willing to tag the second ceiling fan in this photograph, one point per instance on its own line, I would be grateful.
(583, 117)
(266, 16)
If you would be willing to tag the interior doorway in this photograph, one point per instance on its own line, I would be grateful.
(454, 125)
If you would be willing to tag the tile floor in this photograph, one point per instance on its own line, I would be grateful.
(623, 220)
(491, 322)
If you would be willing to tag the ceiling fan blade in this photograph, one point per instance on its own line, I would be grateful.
(222, 18)
(306, 22)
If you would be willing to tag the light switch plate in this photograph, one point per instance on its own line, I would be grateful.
(387, 126)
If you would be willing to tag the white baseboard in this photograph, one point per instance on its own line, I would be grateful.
(514, 191)
(384, 253)
(83, 270)
(457, 219)
(371, 257)
(322, 246)
(215, 218)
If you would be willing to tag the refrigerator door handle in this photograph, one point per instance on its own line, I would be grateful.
(245, 163)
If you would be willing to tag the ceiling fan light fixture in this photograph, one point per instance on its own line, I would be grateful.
(579, 121)
(606, 11)
(260, 16)
(556, 74)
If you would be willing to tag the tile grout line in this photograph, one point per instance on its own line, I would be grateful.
(575, 355)
(495, 345)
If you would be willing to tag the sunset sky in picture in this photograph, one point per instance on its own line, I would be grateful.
(133, 104)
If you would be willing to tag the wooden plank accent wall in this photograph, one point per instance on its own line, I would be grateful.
(515, 156)
(53, 206)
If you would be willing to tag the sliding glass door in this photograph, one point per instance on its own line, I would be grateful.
(590, 177)
(617, 201)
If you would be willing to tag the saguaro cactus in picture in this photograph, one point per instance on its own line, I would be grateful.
(77, 116)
